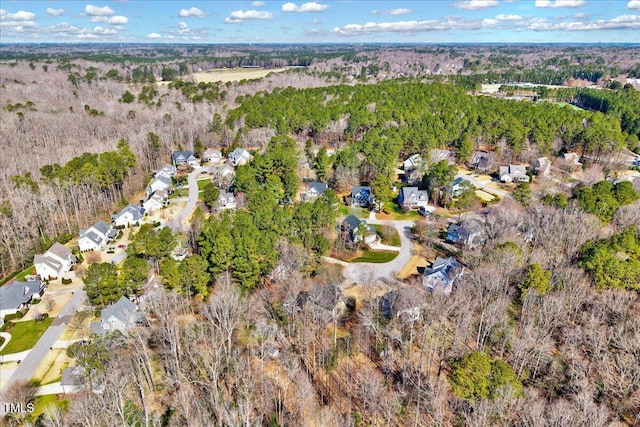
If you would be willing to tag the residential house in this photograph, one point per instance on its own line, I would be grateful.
(179, 253)
(18, 295)
(572, 158)
(72, 380)
(239, 156)
(459, 185)
(542, 166)
(212, 156)
(482, 161)
(227, 200)
(158, 200)
(437, 156)
(57, 260)
(359, 229)
(161, 182)
(360, 197)
(224, 171)
(95, 237)
(412, 198)
(183, 158)
(513, 173)
(167, 170)
(129, 215)
(413, 168)
(314, 190)
(121, 316)
(442, 275)
(470, 233)
(403, 303)
(325, 303)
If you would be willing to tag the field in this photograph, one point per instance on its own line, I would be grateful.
(234, 74)
(25, 335)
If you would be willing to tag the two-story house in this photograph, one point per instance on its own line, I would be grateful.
(95, 237)
(57, 260)
(412, 198)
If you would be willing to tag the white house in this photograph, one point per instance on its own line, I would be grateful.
(227, 200)
(459, 185)
(314, 190)
(513, 173)
(239, 156)
(17, 295)
(95, 237)
(359, 229)
(542, 166)
(212, 156)
(158, 200)
(411, 198)
(181, 158)
(57, 260)
(413, 162)
(160, 182)
(361, 196)
(167, 170)
(129, 215)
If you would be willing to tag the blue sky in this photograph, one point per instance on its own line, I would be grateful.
(427, 21)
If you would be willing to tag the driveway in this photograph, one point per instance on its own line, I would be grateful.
(32, 360)
(482, 182)
(365, 271)
(176, 222)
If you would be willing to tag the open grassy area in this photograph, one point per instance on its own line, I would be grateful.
(398, 214)
(388, 235)
(183, 192)
(377, 257)
(358, 212)
(24, 335)
(202, 183)
(19, 275)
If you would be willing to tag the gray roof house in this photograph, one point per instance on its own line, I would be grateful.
(359, 229)
(17, 295)
(314, 190)
(130, 214)
(57, 260)
(542, 166)
(442, 275)
(160, 182)
(212, 155)
(167, 170)
(459, 185)
(413, 162)
(482, 160)
(95, 237)
(513, 173)
(411, 198)
(361, 196)
(184, 158)
(72, 380)
(120, 316)
(227, 200)
(239, 156)
(158, 200)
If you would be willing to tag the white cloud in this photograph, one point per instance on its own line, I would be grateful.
(192, 11)
(258, 4)
(183, 25)
(399, 11)
(92, 10)
(559, 3)
(114, 20)
(104, 31)
(55, 12)
(503, 17)
(153, 36)
(634, 4)
(20, 15)
(305, 7)
(238, 16)
(406, 26)
(476, 4)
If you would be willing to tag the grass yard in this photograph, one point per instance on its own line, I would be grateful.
(376, 257)
(43, 402)
(358, 212)
(183, 192)
(388, 235)
(24, 335)
(398, 214)
(202, 183)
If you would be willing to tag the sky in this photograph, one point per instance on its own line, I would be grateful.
(397, 21)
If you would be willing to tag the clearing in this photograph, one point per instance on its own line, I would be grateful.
(234, 74)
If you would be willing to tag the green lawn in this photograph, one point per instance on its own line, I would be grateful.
(24, 335)
(358, 212)
(398, 213)
(19, 275)
(202, 183)
(183, 192)
(394, 240)
(377, 257)
(42, 402)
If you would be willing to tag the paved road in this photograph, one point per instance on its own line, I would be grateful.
(32, 360)
(365, 271)
(176, 222)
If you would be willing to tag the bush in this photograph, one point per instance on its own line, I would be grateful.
(16, 315)
(35, 301)
(66, 281)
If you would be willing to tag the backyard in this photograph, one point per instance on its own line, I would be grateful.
(376, 257)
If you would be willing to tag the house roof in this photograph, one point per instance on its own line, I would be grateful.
(59, 250)
(458, 232)
(48, 261)
(176, 155)
(413, 161)
(17, 293)
(135, 210)
(362, 190)
(72, 376)
(224, 195)
(92, 236)
(210, 152)
(352, 221)
(162, 179)
(102, 227)
(122, 310)
(408, 191)
(318, 187)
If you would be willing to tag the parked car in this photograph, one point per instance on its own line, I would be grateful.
(122, 246)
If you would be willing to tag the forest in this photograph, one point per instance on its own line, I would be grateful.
(254, 328)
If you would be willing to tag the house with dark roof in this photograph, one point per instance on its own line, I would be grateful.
(183, 158)
(361, 196)
(239, 157)
(314, 190)
(57, 260)
(129, 215)
(18, 295)
(359, 229)
(412, 198)
(121, 316)
(513, 173)
(442, 275)
(459, 185)
(482, 161)
(403, 303)
(95, 237)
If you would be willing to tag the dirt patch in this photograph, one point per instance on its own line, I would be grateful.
(384, 217)
(363, 293)
(484, 196)
(411, 268)
(50, 370)
(234, 74)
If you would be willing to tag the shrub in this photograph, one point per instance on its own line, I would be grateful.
(66, 281)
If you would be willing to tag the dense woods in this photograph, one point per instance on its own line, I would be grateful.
(253, 328)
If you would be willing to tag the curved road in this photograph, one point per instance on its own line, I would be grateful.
(365, 271)
(32, 360)
(175, 223)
